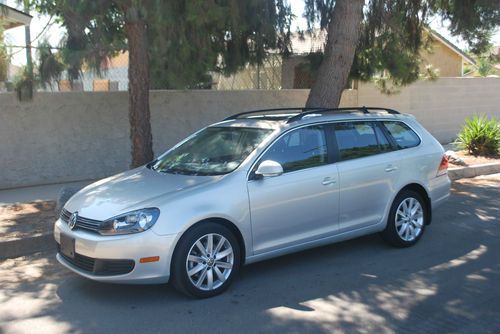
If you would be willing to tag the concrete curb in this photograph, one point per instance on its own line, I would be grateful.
(26, 246)
(20, 247)
(473, 171)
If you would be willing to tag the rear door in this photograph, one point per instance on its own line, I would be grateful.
(368, 173)
(301, 204)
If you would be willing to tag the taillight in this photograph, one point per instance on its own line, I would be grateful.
(443, 166)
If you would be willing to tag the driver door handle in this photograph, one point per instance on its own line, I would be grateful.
(390, 168)
(328, 180)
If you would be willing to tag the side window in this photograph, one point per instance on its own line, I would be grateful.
(383, 142)
(402, 134)
(359, 139)
(300, 149)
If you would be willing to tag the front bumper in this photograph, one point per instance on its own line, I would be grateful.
(121, 247)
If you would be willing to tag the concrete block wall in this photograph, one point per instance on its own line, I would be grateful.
(442, 105)
(60, 137)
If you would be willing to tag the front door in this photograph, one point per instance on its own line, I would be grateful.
(301, 204)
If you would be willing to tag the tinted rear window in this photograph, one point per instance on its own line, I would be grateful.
(402, 134)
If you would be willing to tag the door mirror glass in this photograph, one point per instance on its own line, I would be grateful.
(269, 168)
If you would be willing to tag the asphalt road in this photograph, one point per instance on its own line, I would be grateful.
(449, 282)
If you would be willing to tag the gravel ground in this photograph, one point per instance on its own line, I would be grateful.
(476, 160)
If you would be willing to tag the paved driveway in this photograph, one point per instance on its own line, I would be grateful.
(449, 282)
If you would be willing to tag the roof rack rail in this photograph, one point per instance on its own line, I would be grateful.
(300, 112)
(297, 110)
(363, 109)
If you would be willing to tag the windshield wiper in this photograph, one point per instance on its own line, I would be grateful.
(150, 164)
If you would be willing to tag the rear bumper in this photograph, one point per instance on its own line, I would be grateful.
(439, 189)
(131, 247)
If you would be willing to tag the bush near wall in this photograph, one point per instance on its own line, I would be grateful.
(480, 135)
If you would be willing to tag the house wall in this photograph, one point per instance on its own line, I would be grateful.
(441, 57)
(288, 70)
(74, 136)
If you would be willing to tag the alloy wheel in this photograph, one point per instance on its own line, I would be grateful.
(409, 219)
(210, 262)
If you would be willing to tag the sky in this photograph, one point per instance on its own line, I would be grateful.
(53, 32)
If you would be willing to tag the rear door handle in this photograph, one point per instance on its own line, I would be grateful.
(328, 181)
(391, 168)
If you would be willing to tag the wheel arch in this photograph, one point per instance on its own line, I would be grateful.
(221, 221)
(418, 188)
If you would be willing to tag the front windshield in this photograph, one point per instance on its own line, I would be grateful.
(212, 151)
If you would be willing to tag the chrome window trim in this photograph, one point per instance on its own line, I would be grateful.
(252, 166)
(329, 122)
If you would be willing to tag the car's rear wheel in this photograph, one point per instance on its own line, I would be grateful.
(206, 260)
(407, 219)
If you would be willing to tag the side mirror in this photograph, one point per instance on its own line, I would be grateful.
(269, 168)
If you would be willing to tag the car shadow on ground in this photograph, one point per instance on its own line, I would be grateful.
(448, 282)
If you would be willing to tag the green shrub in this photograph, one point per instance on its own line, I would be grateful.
(480, 136)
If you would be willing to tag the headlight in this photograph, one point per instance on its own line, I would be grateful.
(130, 222)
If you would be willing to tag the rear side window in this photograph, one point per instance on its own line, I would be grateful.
(300, 149)
(359, 139)
(402, 134)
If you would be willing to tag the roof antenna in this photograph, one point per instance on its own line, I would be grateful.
(365, 110)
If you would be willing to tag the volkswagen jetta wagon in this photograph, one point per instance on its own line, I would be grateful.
(257, 185)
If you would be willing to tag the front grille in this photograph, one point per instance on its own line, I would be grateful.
(99, 267)
(81, 222)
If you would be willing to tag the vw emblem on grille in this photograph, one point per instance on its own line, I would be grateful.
(72, 220)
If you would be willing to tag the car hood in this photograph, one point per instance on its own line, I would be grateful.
(131, 190)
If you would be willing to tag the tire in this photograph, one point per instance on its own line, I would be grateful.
(405, 226)
(192, 276)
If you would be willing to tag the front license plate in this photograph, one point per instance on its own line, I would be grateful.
(67, 245)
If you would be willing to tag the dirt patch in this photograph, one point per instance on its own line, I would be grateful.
(26, 219)
(471, 160)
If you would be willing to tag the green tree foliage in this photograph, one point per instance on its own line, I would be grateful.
(484, 66)
(485, 63)
(50, 67)
(174, 42)
(95, 32)
(393, 32)
(4, 57)
(186, 38)
(473, 20)
(196, 36)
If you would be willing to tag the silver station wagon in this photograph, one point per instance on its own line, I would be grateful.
(257, 185)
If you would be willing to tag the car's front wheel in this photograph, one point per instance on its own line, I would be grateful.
(205, 260)
(407, 219)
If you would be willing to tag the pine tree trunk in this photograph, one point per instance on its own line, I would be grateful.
(343, 36)
(138, 90)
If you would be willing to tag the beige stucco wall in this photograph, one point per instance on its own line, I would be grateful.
(442, 58)
(62, 137)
